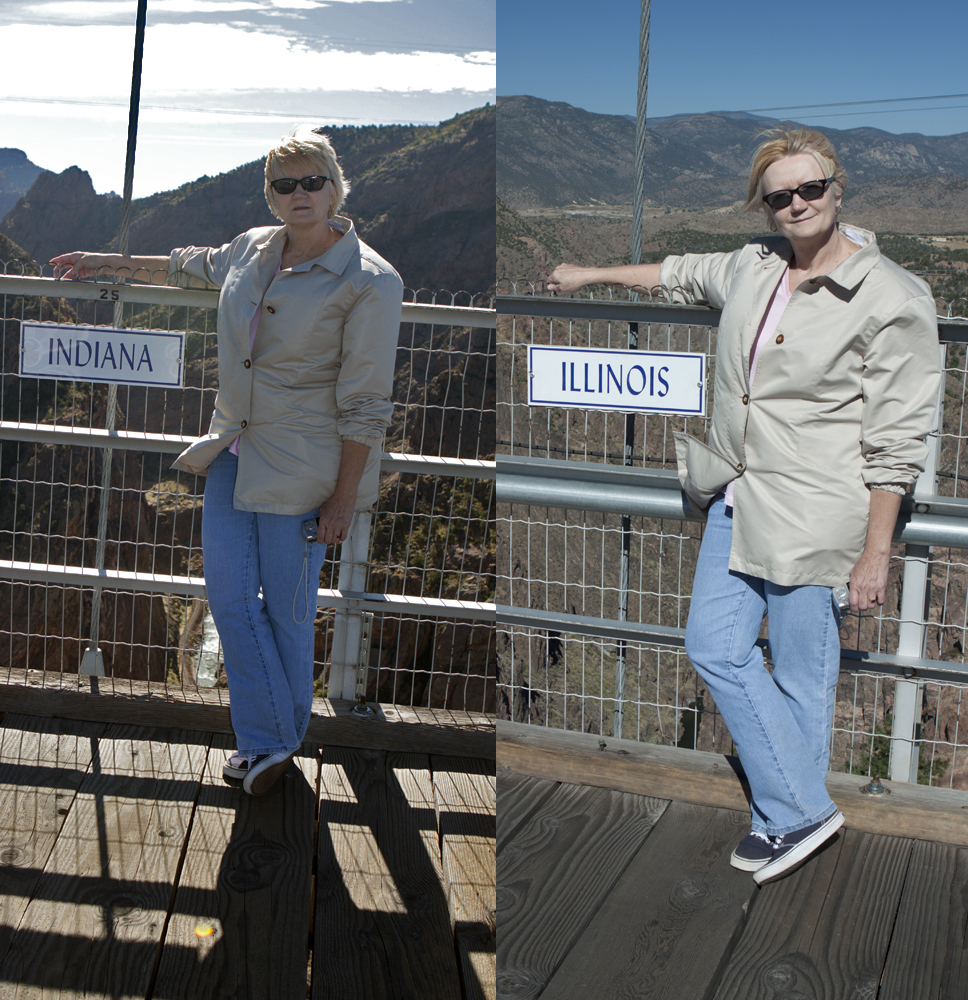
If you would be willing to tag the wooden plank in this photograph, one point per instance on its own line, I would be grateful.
(477, 954)
(42, 764)
(240, 921)
(95, 921)
(824, 931)
(916, 960)
(671, 920)
(954, 978)
(915, 811)
(405, 729)
(382, 929)
(555, 874)
(465, 798)
(520, 796)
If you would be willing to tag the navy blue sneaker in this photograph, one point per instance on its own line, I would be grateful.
(752, 852)
(792, 849)
(264, 770)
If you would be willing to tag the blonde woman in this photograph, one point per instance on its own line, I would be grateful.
(826, 384)
(308, 322)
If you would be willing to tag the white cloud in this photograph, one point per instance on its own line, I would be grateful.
(88, 10)
(212, 59)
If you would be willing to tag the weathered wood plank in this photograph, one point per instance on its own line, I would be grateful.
(824, 931)
(465, 801)
(555, 874)
(240, 921)
(916, 960)
(954, 977)
(95, 922)
(519, 796)
(405, 729)
(42, 764)
(915, 811)
(669, 923)
(477, 954)
(382, 928)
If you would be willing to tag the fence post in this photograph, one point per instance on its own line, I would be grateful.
(911, 632)
(347, 628)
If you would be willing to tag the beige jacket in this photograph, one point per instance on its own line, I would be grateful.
(320, 371)
(844, 396)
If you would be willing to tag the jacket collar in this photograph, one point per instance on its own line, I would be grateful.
(334, 259)
(776, 252)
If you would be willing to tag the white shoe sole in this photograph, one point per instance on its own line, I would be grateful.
(796, 856)
(747, 866)
(266, 773)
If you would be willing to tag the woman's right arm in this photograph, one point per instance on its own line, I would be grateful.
(86, 265)
(570, 277)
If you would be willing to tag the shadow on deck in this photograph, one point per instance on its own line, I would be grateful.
(607, 892)
(129, 869)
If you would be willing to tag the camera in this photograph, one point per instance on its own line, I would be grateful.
(310, 529)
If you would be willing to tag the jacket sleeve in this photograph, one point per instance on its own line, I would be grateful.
(365, 384)
(901, 378)
(700, 278)
(201, 267)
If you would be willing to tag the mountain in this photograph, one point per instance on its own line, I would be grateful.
(422, 196)
(551, 154)
(17, 173)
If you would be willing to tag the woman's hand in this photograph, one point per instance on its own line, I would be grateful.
(335, 518)
(79, 264)
(868, 580)
(568, 278)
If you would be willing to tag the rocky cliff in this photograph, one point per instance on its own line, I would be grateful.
(422, 196)
(17, 173)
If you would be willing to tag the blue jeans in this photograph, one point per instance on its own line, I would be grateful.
(780, 724)
(267, 638)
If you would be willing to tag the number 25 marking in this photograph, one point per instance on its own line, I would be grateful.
(114, 296)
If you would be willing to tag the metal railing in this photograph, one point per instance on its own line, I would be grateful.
(565, 656)
(422, 563)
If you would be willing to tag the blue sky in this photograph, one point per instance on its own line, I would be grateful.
(223, 79)
(708, 55)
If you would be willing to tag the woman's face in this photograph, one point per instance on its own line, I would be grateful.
(303, 207)
(800, 219)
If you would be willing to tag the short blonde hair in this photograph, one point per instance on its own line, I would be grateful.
(306, 144)
(788, 140)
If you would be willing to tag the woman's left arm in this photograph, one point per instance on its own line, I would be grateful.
(868, 578)
(336, 514)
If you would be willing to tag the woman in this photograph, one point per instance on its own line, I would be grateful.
(308, 321)
(826, 385)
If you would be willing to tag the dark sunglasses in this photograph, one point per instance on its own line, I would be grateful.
(286, 185)
(809, 191)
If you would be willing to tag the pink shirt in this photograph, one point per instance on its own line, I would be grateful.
(768, 325)
(253, 328)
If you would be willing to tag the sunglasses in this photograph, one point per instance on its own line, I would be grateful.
(809, 191)
(286, 185)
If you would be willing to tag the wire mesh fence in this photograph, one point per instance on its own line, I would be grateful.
(432, 531)
(568, 561)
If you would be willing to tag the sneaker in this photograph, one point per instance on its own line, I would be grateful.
(792, 849)
(752, 852)
(236, 768)
(264, 770)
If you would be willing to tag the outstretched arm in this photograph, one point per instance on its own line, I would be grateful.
(87, 265)
(570, 277)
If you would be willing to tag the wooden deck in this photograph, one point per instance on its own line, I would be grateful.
(610, 894)
(128, 869)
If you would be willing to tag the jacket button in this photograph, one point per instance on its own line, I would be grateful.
(739, 466)
(245, 423)
(746, 399)
(270, 309)
(779, 338)
(248, 363)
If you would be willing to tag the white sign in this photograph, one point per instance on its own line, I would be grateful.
(630, 381)
(101, 354)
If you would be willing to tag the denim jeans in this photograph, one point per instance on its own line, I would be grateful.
(780, 724)
(267, 638)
